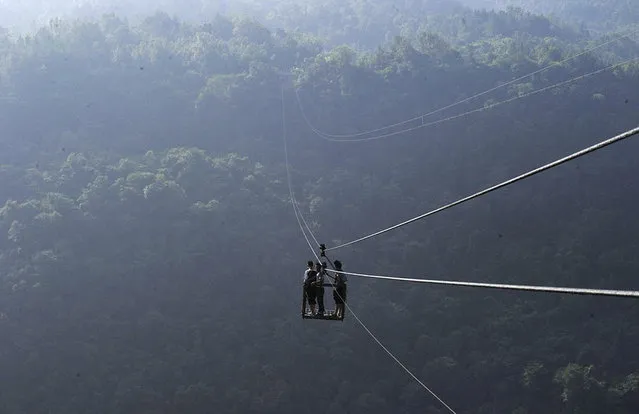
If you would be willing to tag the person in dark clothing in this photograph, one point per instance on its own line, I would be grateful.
(310, 291)
(339, 292)
(320, 271)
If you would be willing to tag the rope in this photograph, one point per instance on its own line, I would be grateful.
(573, 156)
(575, 291)
(450, 118)
(299, 222)
(326, 135)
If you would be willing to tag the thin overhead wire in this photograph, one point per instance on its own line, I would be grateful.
(548, 166)
(288, 174)
(421, 117)
(317, 243)
(464, 114)
(408, 371)
(296, 209)
(554, 289)
(299, 222)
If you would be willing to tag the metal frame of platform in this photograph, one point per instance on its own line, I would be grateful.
(329, 315)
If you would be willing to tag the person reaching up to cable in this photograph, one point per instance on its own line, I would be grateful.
(339, 291)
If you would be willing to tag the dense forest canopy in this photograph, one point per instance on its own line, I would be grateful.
(151, 262)
(602, 15)
(363, 23)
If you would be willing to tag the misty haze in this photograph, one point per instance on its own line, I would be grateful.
(169, 168)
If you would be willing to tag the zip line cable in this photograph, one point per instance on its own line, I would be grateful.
(472, 111)
(576, 291)
(299, 222)
(571, 157)
(561, 62)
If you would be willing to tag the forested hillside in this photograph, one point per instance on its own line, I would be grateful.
(151, 262)
(366, 16)
(362, 23)
(601, 15)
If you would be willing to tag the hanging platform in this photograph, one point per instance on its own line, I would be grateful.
(329, 314)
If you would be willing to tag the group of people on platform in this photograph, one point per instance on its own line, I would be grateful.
(314, 277)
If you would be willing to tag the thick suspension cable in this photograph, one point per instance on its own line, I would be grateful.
(554, 289)
(548, 166)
